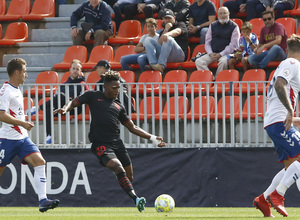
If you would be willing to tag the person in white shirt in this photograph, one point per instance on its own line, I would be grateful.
(278, 122)
(141, 57)
(14, 138)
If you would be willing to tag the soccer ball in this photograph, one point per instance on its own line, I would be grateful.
(164, 203)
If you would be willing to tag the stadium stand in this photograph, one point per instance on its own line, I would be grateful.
(129, 30)
(289, 24)
(254, 102)
(40, 10)
(254, 75)
(93, 77)
(74, 52)
(16, 32)
(228, 76)
(224, 103)
(173, 76)
(16, 9)
(101, 52)
(200, 108)
(145, 109)
(150, 76)
(2, 7)
(121, 51)
(129, 77)
(172, 106)
(205, 77)
(47, 78)
(257, 24)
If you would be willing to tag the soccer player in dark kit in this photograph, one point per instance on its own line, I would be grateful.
(105, 132)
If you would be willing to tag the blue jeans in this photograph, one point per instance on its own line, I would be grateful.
(169, 51)
(276, 53)
(140, 58)
(203, 32)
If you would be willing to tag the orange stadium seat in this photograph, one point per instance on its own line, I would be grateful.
(93, 77)
(65, 77)
(47, 78)
(151, 101)
(226, 103)
(294, 10)
(121, 51)
(40, 10)
(128, 31)
(16, 32)
(227, 76)
(198, 76)
(129, 77)
(73, 52)
(146, 77)
(101, 52)
(238, 21)
(260, 107)
(170, 105)
(257, 24)
(2, 7)
(173, 76)
(260, 89)
(289, 24)
(210, 103)
(251, 75)
(0, 31)
(16, 9)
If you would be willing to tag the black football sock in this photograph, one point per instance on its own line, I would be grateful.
(126, 185)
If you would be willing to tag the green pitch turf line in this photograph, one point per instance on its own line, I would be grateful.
(66, 213)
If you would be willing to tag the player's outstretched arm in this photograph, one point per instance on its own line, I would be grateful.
(67, 107)
(158, 141)
(7, 118)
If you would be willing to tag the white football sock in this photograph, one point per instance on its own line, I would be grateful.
(40, 181)
(276, 180)
(291, 175)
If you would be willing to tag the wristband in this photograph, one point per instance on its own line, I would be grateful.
(154, 140)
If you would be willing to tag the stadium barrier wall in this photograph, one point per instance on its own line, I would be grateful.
(194, 177)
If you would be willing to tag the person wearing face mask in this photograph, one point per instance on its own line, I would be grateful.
(222, 38)
(273, 38)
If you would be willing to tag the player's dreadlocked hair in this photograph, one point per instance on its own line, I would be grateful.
(293, 43)
(110, 76)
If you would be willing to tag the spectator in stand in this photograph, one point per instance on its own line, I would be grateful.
(273, 37)
(148, 7)
(59, 99)
(179, 7)
(141, 57)
(222, 38)
(97, 23)
(248, 42)
(254, 7)
(172, 45)
(103, 67)
(123, 7)
(201, 14)
(235, 6)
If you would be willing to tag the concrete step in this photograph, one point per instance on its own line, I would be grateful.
(66, 10)
(36, 60)
(57, 22)
(51, 35)
(44, 47)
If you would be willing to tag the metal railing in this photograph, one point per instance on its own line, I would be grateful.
(179, 118)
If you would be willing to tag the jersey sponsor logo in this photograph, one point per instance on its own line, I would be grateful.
(100, 100)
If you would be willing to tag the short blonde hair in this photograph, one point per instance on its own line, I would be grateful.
(151, 21)
(247, 25)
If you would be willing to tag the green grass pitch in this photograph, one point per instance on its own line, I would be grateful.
(63, 213)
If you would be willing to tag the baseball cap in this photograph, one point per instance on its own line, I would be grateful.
(104, 63)
(169, 13)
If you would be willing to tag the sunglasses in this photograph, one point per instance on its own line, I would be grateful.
(267, 19)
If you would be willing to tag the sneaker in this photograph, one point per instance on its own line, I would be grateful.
(263, 205)
(32, 111)
(277, 201)
(140, 203)
(46, 204)
(48, 139)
